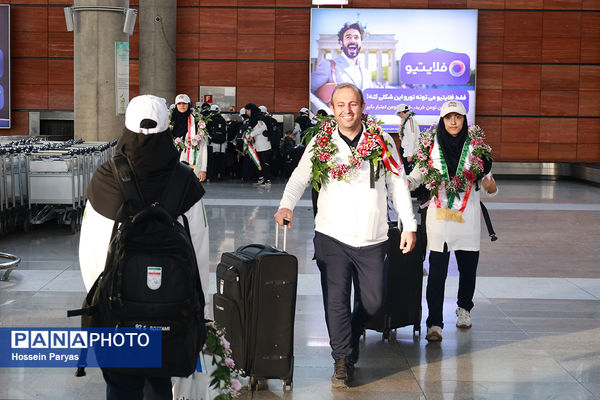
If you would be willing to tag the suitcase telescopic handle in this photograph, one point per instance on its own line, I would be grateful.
(285, 224)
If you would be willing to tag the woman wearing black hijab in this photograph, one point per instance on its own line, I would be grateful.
(148, 145)
(262, 144)
(451, 163)
(185, 125)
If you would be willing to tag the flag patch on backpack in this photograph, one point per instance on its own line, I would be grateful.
(153, 277)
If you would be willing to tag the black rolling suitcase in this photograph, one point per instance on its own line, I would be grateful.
(256, 304)
(404, 289)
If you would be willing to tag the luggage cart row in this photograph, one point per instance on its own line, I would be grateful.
(42, 180)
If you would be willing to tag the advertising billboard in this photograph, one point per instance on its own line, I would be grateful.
(4, 66)
(420, 58)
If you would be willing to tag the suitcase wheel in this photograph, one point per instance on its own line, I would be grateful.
(416, 328)
(289, 381)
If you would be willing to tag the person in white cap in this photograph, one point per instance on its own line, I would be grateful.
(186, 125)
(409, 132)
(454, 163)
(275, 136)
(259, 135)
(217, 129)
(301, 124)
(148, 146)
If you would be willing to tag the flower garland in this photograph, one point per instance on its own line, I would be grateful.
(410, 115)
(434, 179)
(373, 148)
(224, 377)
(200, 135)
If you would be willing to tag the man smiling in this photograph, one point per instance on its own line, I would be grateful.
(343, 68)
(351, 222)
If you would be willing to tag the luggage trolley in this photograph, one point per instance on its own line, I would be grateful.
(55, 187)
(13, 183)
(58, 174)
(14, 191)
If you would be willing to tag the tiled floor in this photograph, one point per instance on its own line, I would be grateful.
(536, 322)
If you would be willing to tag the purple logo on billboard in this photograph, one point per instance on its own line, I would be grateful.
(443, 68)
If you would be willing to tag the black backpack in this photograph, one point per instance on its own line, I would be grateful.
(233, 128)
(275, 133)
(151, 278)
(217, 129)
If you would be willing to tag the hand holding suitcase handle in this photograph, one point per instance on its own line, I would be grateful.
(282, 215)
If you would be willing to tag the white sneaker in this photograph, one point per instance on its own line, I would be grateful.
(434, 334)
(463, 318)
(260, 182)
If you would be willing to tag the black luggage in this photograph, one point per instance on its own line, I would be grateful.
(291, 158)
(255, 303)
(404, 289)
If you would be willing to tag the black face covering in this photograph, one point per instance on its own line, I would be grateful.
(180, 122)
(451, 145)
(153, 158)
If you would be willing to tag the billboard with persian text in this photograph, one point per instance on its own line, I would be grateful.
(420, 58)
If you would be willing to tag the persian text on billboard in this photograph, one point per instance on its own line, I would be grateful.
(421, 101)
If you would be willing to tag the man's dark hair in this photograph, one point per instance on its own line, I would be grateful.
(354, 25)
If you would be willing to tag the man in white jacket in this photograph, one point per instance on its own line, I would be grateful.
(149, 148)
(351, 228)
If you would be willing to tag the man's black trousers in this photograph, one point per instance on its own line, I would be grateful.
(340, 264)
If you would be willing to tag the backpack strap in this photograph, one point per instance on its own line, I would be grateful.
(126, 180)
(174, 194)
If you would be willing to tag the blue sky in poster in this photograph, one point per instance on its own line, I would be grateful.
(415, 30)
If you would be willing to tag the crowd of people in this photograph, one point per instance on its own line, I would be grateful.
(451, 160)
(249, 146)
(359, 171)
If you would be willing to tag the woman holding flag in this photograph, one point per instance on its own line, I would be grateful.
(454, 163)
(258, 145)
(189, 134)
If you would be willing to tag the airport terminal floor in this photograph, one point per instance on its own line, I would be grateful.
(536, 320)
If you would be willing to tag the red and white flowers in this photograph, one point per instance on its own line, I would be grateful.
(459, 183)
(324, 163)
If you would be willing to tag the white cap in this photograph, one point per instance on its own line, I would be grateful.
(182, 98)
(402, 108)
(215, 107)
(147, 107)
(303, 110)
(242, 111)
(453, 106)
(262, 109)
